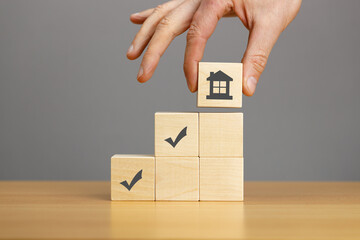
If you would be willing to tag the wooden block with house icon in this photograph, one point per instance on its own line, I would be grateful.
(176, 134)
(177, 178)
(221, 179)
(221, 134)
(220, 85)
(132, 177)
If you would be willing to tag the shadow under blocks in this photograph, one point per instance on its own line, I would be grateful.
(198, 156)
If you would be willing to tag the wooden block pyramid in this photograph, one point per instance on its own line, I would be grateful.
(198, 156)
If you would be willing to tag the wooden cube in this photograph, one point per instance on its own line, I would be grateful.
(221, 134)
(176, 134)
(177, 178)
(221, 179)
(220, 85)
(132, 177)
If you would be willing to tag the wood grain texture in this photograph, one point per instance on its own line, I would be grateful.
(221, 134)
(177, 178)
(124, 167)
(221, 179)
(169, 125)
(271, 210)
(233, 70)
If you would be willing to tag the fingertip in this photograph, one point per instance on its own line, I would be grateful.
(191, 87)
(131, 56)
(142, 79)
(140, 17)
(129, 52)
(133, 53)
(250, 86)
(193, 90)
(133, 17)
(140, 74)
(189, 82)
(145, 72)
(137, 19)
(190, 70)
(246, 93)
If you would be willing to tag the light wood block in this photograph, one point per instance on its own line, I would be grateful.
(221, 134)
(177, 178)
(220, 84)
(176, 134)
(221, 179)
(139, 173)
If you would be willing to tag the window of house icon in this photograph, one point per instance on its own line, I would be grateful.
(219, 86)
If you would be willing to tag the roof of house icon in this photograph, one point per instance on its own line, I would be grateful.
(219, 76)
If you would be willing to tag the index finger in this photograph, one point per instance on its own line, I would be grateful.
(202, 26)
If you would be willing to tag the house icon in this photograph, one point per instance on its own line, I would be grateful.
(219, 85)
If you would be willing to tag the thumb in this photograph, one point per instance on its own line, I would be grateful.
(261, 41)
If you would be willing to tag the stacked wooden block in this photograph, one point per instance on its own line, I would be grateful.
(198, 156)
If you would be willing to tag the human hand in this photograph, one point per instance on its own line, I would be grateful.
(265, 20)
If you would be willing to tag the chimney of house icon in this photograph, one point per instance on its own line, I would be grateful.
(211, 73)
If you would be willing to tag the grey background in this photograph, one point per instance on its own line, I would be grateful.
(69, 98)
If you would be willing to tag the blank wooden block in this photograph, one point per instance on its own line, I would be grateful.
(221, 134)
(132, 177)
(221, 179)
(220, 84)
(177, 178)
(176, 134)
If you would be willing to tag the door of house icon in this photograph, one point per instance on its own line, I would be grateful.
(219, 86)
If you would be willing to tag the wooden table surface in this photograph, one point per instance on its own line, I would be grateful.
(271, 210)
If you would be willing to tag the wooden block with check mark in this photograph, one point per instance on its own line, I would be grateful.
(132, 177)
(177, 178)
(221, 134)
(221, 179)
(176, 134)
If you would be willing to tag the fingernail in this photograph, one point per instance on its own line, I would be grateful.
(251, 84)
(131, 48)
(140, 73)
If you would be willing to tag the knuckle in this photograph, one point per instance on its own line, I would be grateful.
(194, 31)
(258, 61)
(165, 25)
(159, 9)
(228, 7)
(214, 3)
(224, 5)
(165, 22)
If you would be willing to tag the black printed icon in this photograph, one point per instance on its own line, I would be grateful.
(178, 138)
(219, 86)
(137, 177)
